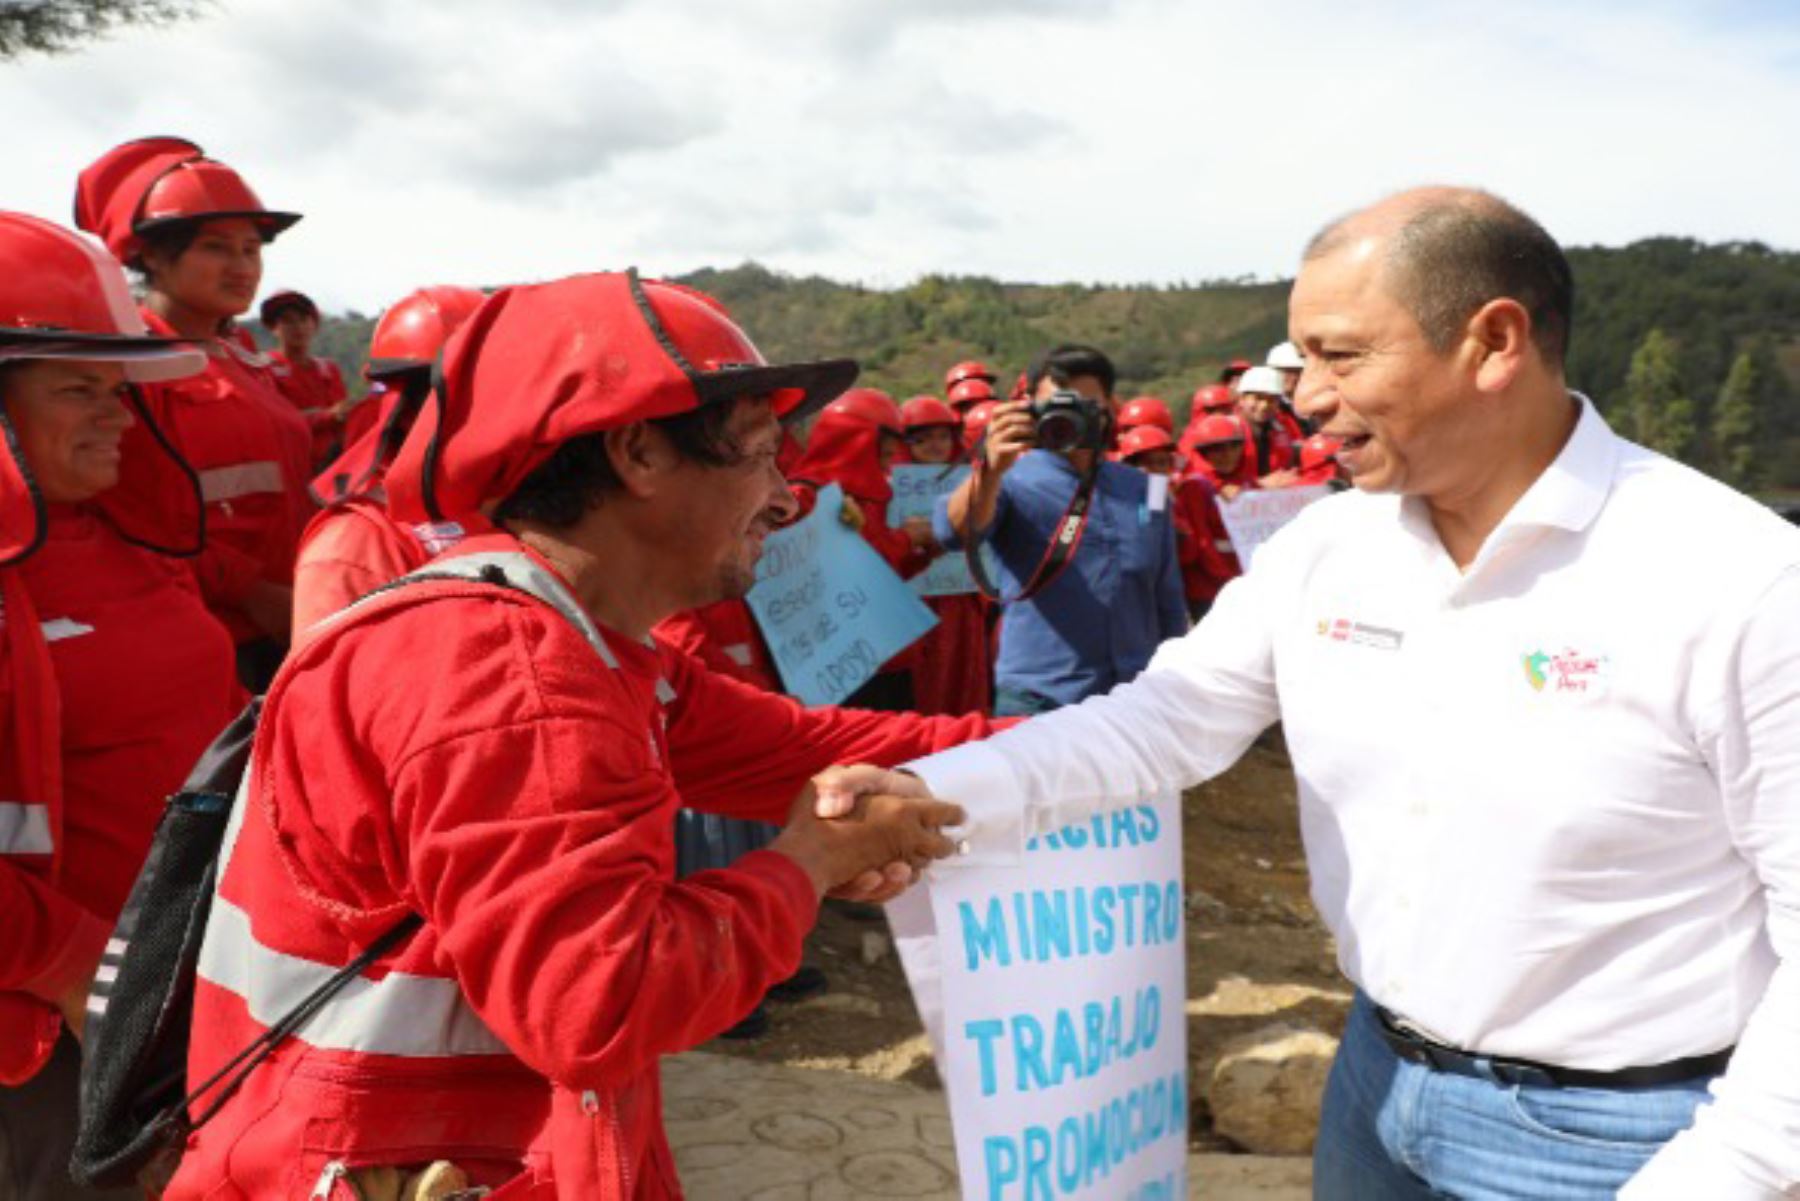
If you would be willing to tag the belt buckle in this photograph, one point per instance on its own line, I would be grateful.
(1515, 1072)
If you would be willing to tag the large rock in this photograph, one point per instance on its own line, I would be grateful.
(1265, 1089)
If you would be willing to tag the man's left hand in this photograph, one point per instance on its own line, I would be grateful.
(841, 792)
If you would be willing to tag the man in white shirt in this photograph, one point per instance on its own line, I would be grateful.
(1549, 774)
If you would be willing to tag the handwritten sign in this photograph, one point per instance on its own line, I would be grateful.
(1054, 994)
(1251, 518)
(917, 487)
(830, 609)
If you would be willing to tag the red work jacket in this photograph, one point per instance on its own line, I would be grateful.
(1202, 543)
(253, 454)
(113, 679)
(315, 388)
(464, 752)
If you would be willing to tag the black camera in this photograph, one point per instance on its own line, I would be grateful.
(1067, 420)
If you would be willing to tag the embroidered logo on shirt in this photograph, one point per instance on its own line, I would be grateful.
(1361, 633)
(1568, 673)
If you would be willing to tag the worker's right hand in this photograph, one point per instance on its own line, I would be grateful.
(1010, 434)
(878, 831)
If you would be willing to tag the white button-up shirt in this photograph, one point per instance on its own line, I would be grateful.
(1551, 803)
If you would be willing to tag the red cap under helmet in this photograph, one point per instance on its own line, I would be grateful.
(151, 183)
(967, 370)
(1143, 439)
(1146, 410)
(540, 364)
(276, 303)
(63, 297)
(923, 412)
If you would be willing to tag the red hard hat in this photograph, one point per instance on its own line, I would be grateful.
(63, 297)
(870, 405)
(970, 391)
(923, 412)
(269, 312)
(1234, 369)
(975, 420)
(1214, 397)
(414, 329)
(155, 182)
(1146, 410)
(1217, 429)
(1142, 439)
(966, 370)
(537, 365)
(1318, 458)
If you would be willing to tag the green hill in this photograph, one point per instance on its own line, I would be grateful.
(1712, 302)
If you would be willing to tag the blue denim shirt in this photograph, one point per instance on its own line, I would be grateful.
(1100, 621)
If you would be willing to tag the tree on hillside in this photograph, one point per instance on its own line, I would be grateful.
(55, 26)
(1737, 423)
(1656, 410)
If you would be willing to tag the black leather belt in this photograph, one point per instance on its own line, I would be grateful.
(1439, 1057)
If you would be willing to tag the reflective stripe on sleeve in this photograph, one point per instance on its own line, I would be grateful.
(25, 829)
(416, 1017)
(241, 479)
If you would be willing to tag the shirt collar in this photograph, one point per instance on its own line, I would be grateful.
(1572, 490)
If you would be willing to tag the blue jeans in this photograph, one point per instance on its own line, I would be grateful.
(1398, 1131)
(1021, 702)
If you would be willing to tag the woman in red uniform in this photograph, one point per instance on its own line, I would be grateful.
(313, 385)
(852, 444)
(113, 676)
(352, 547)
(950, 672)
(196, 232)
(1219, 470)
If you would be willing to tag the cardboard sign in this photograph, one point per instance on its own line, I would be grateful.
(1251, 518)
(917, 487)
(1054, 992)
(830, 609)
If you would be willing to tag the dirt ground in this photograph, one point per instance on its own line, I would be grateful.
(1257, 953)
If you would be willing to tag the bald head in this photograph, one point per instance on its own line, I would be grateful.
(1445, 252)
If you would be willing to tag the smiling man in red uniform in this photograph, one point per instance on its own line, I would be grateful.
(508, 766)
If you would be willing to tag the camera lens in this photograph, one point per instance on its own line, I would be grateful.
(1060, 431)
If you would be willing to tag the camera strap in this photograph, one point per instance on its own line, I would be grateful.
(1064, 541)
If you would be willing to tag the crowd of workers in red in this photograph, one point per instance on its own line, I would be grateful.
(178, 510)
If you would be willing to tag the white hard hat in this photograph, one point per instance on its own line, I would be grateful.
(1285, 357)
(1263, 381)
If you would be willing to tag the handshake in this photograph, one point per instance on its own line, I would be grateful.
(865, 834)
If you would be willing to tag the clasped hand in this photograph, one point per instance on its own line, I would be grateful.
(865, 834)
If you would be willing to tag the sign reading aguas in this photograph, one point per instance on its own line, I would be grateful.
(1054, 994)
(1251, 518)
(830, 609)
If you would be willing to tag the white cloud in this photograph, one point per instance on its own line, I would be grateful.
(881, 139)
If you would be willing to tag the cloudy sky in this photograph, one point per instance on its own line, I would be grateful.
(877, 140)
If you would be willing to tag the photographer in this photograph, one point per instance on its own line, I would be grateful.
(1076, 627)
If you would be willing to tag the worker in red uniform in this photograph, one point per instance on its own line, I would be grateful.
(1274, 440)
(504, 756)
(1319, 463)
(1202, 544)
(195, 231)
(951, 668)
(113, 676)
(975, 421)
(315, 386)
(351, 546)
(853, 443)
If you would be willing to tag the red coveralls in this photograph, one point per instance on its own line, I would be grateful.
(253, 454)
(314, 387)
(113, 679)
(1203, 545)
(465, 754)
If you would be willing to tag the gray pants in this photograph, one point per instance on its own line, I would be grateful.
(37, 1132)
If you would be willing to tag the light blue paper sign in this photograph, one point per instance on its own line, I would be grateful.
(830, 609)
(917, 487)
